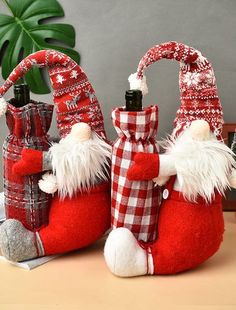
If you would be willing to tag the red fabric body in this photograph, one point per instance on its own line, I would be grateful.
(134, 203)
(77, 222)
(28, 127)
(188, 233)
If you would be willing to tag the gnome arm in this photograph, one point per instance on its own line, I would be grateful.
(151, 167)
(31, 162)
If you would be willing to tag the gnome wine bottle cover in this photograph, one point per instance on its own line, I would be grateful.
(28, 122)
(135, 204)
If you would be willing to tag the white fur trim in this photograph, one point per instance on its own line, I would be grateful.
(78, 165)
(123, 254)
(202, 166)
(48, 183)
(138, 83)
(3, 106)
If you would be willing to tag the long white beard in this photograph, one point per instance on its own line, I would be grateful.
(202, 166)
(79, 166)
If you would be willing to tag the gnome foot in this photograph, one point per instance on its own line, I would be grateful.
(124, 256)
(17, 243)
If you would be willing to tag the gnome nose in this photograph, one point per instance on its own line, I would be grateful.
(81, 132)
(200, 130)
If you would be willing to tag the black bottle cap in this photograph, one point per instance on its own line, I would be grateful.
(133, 94)
(133, 100)
(21, 88)
(21, 94)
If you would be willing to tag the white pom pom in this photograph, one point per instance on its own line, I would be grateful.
(3, 106)
(138, 83)
(48, 183)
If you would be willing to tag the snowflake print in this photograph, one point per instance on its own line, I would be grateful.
(195, 104)
(93, 112)
(56, 54)
(191, 79)
(208, 102)
(60, 79)
(73, 119)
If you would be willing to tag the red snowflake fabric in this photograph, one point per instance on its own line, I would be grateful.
(197, 84)
(73, 94)
(135, 204)
(28, 127)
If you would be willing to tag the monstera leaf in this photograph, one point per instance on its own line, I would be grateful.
(23, 33)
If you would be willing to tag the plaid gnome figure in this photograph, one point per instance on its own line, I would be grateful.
(190, 223)
(80, 209)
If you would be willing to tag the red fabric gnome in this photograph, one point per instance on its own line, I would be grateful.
(80, 210)
(190, 225)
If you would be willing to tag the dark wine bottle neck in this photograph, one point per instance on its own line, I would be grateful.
(133, 100)
(21, 95)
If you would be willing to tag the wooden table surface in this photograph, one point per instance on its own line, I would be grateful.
(82, 281)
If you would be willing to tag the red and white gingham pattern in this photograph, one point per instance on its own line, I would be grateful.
(197, 83)
(28, 127)
(135, 204)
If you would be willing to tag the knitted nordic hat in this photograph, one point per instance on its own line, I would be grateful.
(73, 95)
(197, 84)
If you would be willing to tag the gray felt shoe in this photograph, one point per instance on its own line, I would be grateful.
(17, 243)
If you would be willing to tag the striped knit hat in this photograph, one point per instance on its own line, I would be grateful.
(73, 95)
(197, 84)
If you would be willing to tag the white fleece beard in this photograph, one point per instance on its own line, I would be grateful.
(79, 166)
(202, 166)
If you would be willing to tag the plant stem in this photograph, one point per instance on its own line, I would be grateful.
(8, 5)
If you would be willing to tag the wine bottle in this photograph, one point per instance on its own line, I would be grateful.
(21, 95)
(133, 100)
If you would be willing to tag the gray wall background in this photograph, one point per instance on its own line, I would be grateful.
(112, 36)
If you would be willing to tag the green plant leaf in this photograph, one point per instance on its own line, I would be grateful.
(22, 33)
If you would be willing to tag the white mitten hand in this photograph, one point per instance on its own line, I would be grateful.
(48, 183)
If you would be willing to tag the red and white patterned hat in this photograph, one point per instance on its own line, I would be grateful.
(73, 95)
(197, 84)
